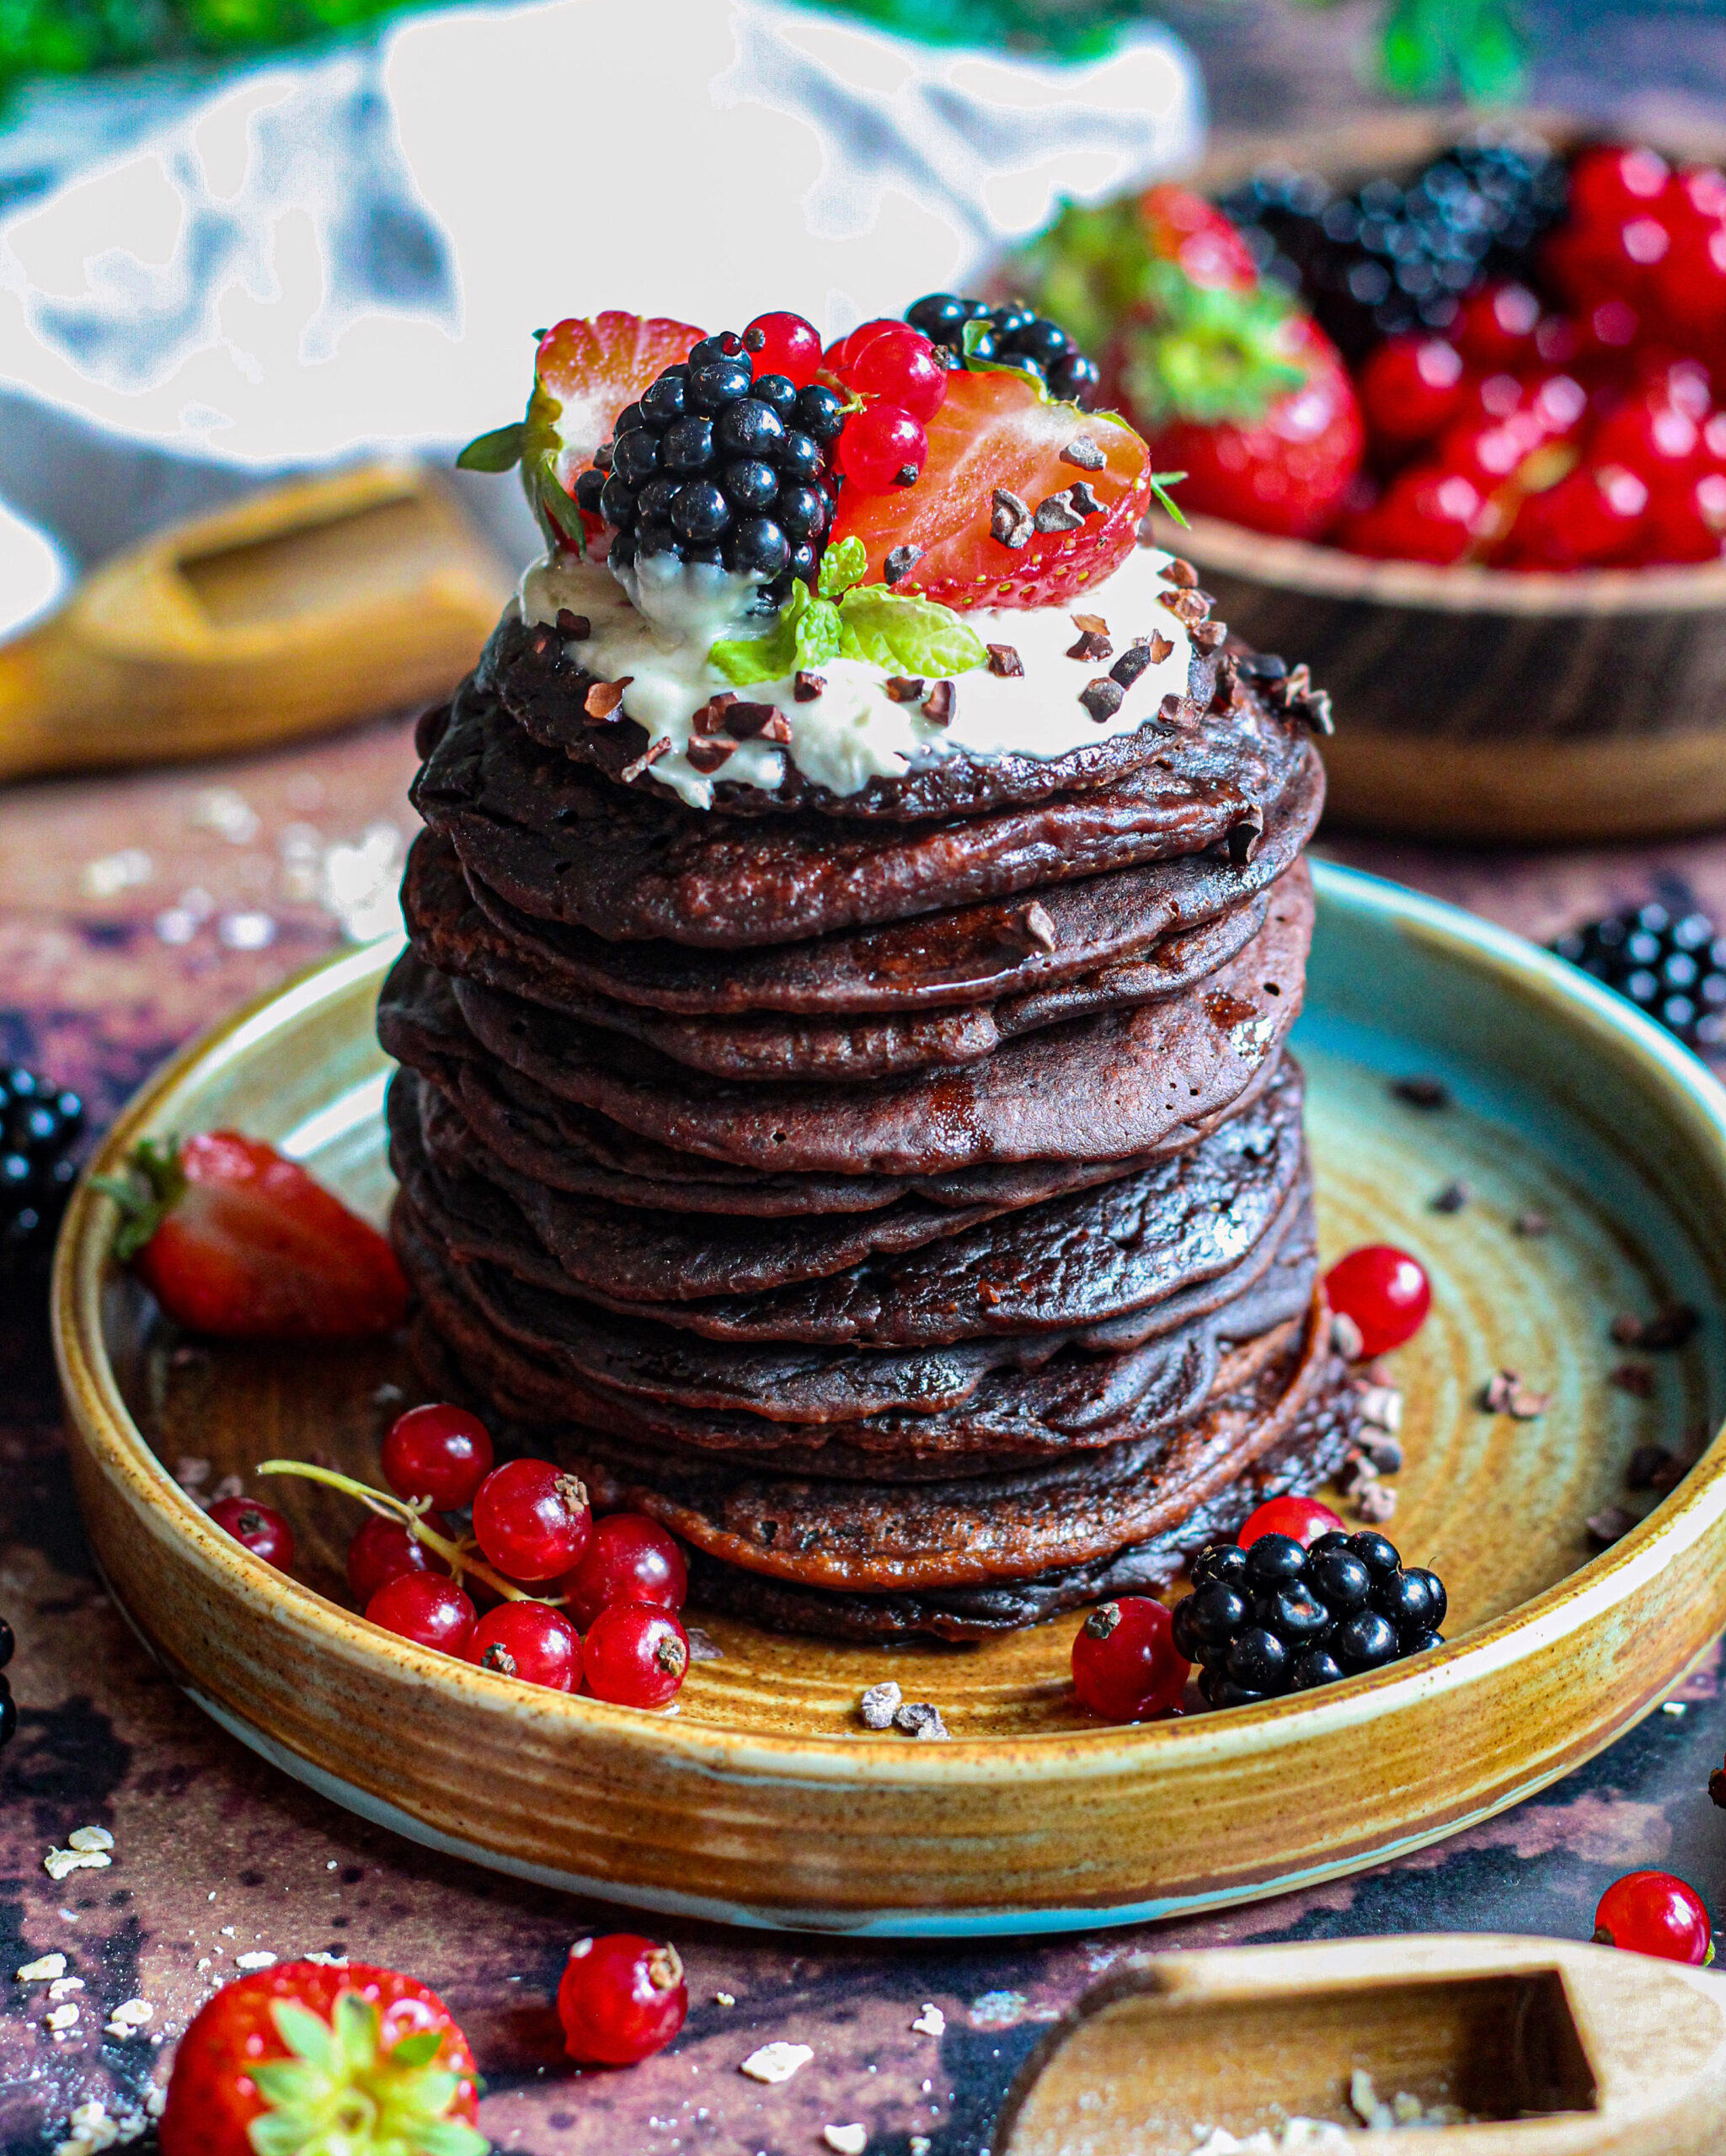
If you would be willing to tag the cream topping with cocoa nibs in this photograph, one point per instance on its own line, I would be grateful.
(844, 725)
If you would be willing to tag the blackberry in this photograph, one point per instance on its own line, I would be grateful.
(1394, 257)
(1277, 1619)
(1013, 335)
(717, 465)
(39, 1124)
(1668, 960)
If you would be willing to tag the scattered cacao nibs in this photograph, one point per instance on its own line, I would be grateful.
(879, 1704)
(1132, 662)
(1532, 1223)
(937, 705)
(1010, 521)
(633, 769)
(1004, 662)
(1637, 1379)
(540, 642)
(1176, 571)
(1207, 635)
(1092, 624)
(711, 718)
(1296, 697)
(1084, 453)
(1244, 836)
(1083, 499)
(576, 626)
(703, 1645)
(1186, 606)
(1038, 925)
(1452, 1198)
(1611, 1523)
(1091, 645)
(1356, 1472)
(1057, 514)
(743, 722)
(988, 1294)
(1649, 1464)
(1102, 698)
(706, 755)
(1375, 1505)
(1225, 691)
(1263, 666)
(1671, 1327)
(1384, 1450)
(1162, 648)
(778, 728)
(805, 686)
(603, 697)
(1504, 1393)
(905, 688)
(901, 561)
(1346, 1336)
(918, 1718)
(1381, 1405)
(1421, 1092)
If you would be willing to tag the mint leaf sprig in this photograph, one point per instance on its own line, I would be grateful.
(847, 619)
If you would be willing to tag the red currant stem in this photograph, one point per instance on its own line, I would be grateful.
(457, 1555)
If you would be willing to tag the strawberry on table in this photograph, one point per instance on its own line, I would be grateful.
(999, 433)
(301, 2057)
(233, 1239)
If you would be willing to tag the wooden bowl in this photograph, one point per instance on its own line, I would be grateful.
(762, 1800)
(1479, 703)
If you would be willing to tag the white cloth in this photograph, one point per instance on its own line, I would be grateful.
(348, 253)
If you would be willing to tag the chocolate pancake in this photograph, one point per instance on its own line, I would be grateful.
(880, 1416)
(562, 844)
(525, 667)
(1104, 1088)
(1184, 1218)
(870, 1537)
(573, 1148)
(453, 935)
(973, 954)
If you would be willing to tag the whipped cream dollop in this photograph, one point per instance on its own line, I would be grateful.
(659, 630)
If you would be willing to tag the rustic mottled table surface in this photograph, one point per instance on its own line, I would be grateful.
(133, 910)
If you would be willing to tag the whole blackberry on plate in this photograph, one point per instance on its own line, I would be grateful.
(39, 1124)
(1670, 962)
(1275, 1618)
(1013, 335)
(717, 464)
(1397, 256)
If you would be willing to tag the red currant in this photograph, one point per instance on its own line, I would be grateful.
(383, 1550)
(784, 344)
(879, 446)
(901, 371)
(419, 1606)
(1653, 1913)
(438, 1452)
(1125, 1662)
(845, 351)
(260, 1528)
(621, 1998)
(1498, 326)
(1384, 1291)
(630, 1558)
(636, 1655)
(531, 1520)
(1409, 387)
(530, 1640)
(1303, 1519)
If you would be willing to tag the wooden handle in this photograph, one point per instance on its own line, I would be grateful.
(306, 607)
(1554, 2048)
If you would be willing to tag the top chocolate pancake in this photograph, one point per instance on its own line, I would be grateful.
(563, 844)
(524, 666)
(1108, 1087)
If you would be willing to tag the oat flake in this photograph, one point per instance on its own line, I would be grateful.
(776, 2062)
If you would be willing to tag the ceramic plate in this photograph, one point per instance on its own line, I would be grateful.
(758, 1799)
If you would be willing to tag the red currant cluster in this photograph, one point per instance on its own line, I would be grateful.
(1576, 431)
(601, 1615)
(901, 380)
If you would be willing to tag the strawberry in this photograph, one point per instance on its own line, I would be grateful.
(997, 429)
(304, 2057)
(234, 1240)
(584, 374)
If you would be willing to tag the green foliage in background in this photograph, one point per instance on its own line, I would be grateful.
(1428, 47)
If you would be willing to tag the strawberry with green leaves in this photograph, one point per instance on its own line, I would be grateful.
(234, 1239)
(1223, 373)
(306, 2060)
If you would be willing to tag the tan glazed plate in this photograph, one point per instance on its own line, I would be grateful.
(760, 1799)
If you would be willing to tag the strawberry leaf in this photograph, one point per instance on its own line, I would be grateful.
(307, 2034)
(356, 2029)
(418, 2050)
(142, 1212)
(906, 635)
(501, 451)
(450, 2137)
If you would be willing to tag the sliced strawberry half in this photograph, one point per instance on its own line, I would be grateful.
(588, 372)
(994, 433)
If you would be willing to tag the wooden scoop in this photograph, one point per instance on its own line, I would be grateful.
(1551, 2049)
(315, 603)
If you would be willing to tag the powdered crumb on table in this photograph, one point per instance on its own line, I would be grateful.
(776, 2062)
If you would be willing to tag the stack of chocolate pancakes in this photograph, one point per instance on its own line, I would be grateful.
(902, 1196)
